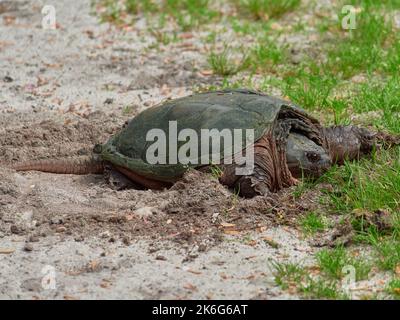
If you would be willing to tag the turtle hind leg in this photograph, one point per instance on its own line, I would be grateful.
(118, 181)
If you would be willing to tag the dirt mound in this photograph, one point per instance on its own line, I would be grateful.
(54, 139)
(8, 190)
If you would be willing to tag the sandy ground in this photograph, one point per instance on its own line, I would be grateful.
(74, 237)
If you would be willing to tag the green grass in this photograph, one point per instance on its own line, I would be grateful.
(382, 97)
(311, 91)
(266, 55)
(378, 96)
(163, 37)
(388, 4)
(224, 63)
(112, 12)
(127, 110)
(216, 171)
(368, 187)
(265, 9)
(137, 6)
(369, 184)
(288, 274)
(363, 49)
(322, 289)
(333, 263)
(313, 223)
(394, 288)
(191, 14)
(249, 27)
(388, 254)
(187, 14)
(391, 59)
(295, 276)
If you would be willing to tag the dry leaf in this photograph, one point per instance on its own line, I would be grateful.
(252, 243)
(41, 81)
(276, 26)
(224, 276)
(93, 265)
(165, 90)
(190, 286)
(105, 284)
(228, 225)
(232, 232)
(261, 229)
(186, 35)
(358, 212)
(9, 20)
(271, 242)
(187, 46)
(6, 251)
(193, 271)
(53, 65)
(206, 72)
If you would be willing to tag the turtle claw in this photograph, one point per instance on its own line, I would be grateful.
(295, 181)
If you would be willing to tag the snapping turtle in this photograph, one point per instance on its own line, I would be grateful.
(284, 143)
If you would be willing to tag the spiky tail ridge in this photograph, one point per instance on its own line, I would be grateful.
(82, 165)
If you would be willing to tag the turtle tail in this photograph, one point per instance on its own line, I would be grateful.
(82, 165)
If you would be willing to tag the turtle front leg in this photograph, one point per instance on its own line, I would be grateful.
(258, 183)
(270, 172)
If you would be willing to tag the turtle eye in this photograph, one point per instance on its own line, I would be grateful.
(313, 157)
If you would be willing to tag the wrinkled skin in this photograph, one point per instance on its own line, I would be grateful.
(349, 142)
(303, 157)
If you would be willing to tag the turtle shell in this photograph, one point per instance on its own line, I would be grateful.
(229, 109)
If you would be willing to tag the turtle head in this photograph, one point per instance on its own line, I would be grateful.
(305, 158)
